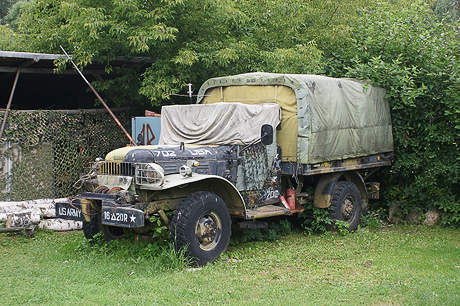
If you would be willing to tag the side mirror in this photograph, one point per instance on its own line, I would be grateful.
(266, 134)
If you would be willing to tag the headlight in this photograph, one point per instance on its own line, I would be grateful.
(149, 175)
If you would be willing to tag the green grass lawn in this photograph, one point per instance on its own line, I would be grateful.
(404, 265)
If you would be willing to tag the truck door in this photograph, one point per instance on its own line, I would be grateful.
(259, 175)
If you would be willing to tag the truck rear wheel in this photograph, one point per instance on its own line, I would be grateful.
(346, 204)
(201, 225)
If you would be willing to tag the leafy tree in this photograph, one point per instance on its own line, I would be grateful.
(447, 9)
(13, 14)
(104, 29)
(248, 35)
(189, 40)
(236, 37)
(5, 6)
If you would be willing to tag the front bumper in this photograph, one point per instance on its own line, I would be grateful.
(112, 213)
(121, 216)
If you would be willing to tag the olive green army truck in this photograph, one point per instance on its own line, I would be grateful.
(249, 149)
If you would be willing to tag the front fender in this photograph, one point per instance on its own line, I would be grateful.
(216, 184)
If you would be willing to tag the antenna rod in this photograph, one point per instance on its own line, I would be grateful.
(100, 99)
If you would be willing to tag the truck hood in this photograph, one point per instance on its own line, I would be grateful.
(156, 154)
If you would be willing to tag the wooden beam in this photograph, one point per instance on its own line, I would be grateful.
(74, 112)
(30, 55)
(51, 71)
(52, 57)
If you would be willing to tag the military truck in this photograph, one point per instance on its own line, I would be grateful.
(249, 149)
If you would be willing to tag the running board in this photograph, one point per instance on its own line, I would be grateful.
(267, 211)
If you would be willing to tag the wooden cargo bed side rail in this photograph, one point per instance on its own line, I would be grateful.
(366, 162)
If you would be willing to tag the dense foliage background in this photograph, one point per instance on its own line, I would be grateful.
(408, 47)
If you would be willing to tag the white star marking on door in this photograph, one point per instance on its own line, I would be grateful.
(133, 218)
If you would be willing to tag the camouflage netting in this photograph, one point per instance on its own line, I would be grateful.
(43, 153)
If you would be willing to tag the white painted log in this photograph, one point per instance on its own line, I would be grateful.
(17, 214)
(46, 205)
(49, 209)
(49, 212)
(23, 219)
(61, 225)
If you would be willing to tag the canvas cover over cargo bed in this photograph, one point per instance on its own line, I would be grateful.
(323, 118)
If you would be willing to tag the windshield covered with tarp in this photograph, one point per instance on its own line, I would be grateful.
(216, 124)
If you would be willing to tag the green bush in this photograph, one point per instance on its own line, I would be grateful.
(415, 58)
(315, 220)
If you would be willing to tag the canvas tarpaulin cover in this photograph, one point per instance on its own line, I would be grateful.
(216, 124)
(323, 118)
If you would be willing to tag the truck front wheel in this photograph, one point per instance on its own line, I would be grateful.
(95, 226)
(346, 204)
(201, 225)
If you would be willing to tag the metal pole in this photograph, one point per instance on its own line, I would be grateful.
(9, 101)
(100, 99)
(190, 91)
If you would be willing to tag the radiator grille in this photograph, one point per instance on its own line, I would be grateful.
(112, 168)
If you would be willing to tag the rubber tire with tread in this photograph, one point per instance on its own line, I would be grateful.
(346, 191)
(91, 228)
(185, 222)
(95, 226)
